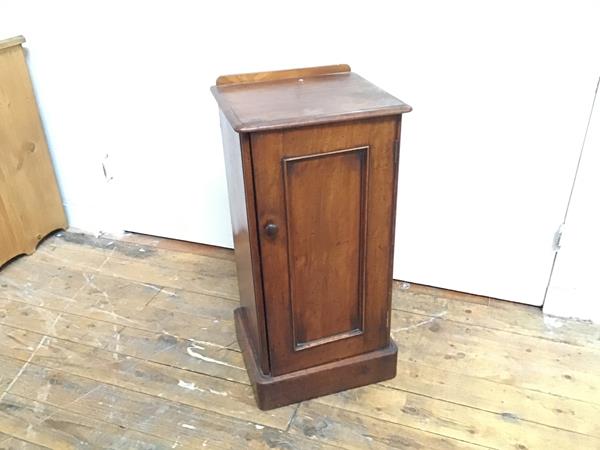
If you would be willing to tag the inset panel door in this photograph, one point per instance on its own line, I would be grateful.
(325, 200)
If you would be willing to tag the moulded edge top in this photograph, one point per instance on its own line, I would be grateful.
(11, 42)
(245, 99)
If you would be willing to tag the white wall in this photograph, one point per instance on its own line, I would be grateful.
(573, 289)
(501, 93)
(130, 80)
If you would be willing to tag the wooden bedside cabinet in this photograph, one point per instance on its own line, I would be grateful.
(312, 164)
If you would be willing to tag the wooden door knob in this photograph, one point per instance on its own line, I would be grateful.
(271, 229)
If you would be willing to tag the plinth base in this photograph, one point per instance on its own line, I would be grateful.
(273, 392)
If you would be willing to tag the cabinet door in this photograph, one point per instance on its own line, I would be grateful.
(325, 198)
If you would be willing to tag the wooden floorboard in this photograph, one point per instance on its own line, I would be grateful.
(12, 443)
(506, 316)
(43, 425)
(191, 427)
(128, 342)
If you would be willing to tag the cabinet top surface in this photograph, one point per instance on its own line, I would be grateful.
(303, 98)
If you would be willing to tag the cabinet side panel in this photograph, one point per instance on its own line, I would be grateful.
(240, 186)
(30, 203)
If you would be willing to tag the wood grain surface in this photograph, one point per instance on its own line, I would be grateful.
(131, 344)
(30, 203)
(328, 267)
(310, 100)
(259, 77)
(240, 187)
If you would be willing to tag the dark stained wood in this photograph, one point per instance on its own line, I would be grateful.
(303, 251)
(240, 187)
(312, 196)
(326, 228)
(305, 101)
(258, 77)
(276, 391)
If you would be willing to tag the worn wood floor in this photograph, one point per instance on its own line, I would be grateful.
(130, 344)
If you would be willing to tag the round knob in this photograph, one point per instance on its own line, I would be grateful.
(271, 229)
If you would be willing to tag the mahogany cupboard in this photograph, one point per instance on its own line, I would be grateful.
(312, 163)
